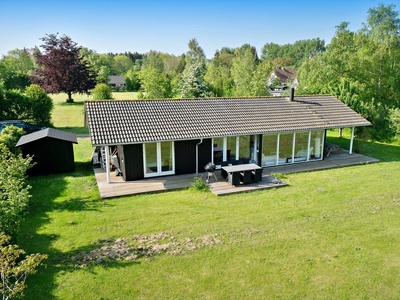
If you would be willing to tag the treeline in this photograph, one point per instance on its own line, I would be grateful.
(361, 68)
(220, 73)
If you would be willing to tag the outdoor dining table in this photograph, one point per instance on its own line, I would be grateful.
(241, 173)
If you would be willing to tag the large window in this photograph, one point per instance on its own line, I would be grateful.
(268, 156)
(166, 156)
(316, 144)
(244, 147)
(291, 147)
(218, 148)
(285, 147)
(301, 146)
(231, 148)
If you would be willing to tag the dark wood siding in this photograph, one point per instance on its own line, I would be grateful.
(131, 162)
(185, 157)
(131, 158)
(204, 154)
(51, 156)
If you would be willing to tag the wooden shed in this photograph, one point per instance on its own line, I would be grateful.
(52, 151)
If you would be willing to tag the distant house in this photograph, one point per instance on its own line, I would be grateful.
(180, 136)
(117, 82)
(52, 151)
(287, 78)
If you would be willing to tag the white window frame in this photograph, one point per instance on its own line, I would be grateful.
(159, 161)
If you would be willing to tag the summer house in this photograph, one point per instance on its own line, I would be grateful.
(148, 138)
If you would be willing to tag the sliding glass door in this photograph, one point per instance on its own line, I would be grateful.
(158, 159)
(291, 147)
(235, 149)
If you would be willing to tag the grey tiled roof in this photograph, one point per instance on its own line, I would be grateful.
(137, 121)
(47, 133)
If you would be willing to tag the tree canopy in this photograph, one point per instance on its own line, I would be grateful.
(62, 67)
(362, 69)
(15, 68)
(300, 51)
(154, 83)
(192, 84)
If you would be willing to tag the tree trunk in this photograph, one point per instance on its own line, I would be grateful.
(70, 100)
(340, 132)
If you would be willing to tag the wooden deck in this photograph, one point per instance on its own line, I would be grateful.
(118, 187)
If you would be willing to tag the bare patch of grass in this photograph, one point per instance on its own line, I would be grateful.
(139, 246)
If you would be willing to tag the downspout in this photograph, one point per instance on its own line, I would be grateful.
(351, 141)
(197, 155)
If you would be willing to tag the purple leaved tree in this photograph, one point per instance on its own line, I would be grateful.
(62, 68)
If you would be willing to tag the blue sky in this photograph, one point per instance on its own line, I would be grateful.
(167, 26)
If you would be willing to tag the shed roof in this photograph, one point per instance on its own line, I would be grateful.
(116, 79)
(47, 133)
(129, 122)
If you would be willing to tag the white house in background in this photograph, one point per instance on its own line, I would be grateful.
(117, 82)
(287, 79)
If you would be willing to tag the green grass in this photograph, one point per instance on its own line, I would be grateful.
(70, 116)
(331, 234)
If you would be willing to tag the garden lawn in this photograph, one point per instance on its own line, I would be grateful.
(331, 234)
(70, 116)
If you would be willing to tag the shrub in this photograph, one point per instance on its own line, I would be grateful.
(41, 105)
(199, 184)
(13, 269)
(33, 106)
(10, 136)
(14, 105)
(14, 193)
(102, 92)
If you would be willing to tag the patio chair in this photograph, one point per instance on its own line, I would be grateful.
(256, 175)
(234, 178)
(245, 177)
(224, 174)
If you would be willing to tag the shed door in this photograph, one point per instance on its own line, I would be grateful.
(158, 159)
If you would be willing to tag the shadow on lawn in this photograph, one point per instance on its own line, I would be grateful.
(77, 130)
(82, 169)
(75, 103)
(45, 190)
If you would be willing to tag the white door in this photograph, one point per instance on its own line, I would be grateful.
(158, 159)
